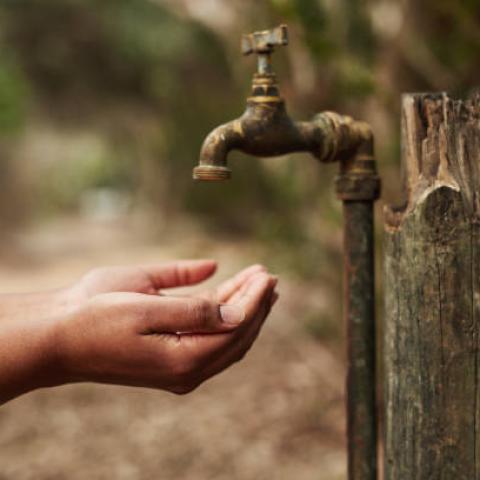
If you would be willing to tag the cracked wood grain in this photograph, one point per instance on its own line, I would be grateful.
(432, 291)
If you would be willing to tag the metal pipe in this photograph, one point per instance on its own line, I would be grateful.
(359, 316)
(358, 186)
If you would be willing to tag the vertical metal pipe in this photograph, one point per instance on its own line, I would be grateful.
(359, 314)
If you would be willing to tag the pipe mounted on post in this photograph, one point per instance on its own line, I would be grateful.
(266, 130)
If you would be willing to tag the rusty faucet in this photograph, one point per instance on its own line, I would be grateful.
(266, 130)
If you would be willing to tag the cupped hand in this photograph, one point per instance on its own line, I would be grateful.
(122, 325)
(139, 338)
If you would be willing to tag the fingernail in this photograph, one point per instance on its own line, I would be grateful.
(232, 314)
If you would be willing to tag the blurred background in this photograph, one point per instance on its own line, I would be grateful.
(104, 105)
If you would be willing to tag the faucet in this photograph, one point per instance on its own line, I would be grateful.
(266, 130)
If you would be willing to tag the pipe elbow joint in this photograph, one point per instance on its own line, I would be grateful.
(343, 137)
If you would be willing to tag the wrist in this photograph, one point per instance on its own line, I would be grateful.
(35, 306)
(29, 359)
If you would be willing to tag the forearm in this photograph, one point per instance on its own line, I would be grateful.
(27, 343)
(27, 357)
(33, 306)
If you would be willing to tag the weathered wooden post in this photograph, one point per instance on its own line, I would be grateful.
(432, 282)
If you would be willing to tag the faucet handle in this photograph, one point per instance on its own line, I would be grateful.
(264, 42)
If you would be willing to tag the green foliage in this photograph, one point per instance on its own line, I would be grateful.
(355, 78)
(14, 93)
(314, 20)
(361, 41)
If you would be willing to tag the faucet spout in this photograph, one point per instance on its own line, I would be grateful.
(215, 150)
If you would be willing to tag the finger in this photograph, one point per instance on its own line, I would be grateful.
(224, 292)
(201, 348)
(180, 273)
(244, 288)
(248, 297)
(240, 292)
(241, 345)
(226, 289)
(181, 315)
(246, 337)
(275, 298)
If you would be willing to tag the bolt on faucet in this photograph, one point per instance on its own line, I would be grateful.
(266, 130)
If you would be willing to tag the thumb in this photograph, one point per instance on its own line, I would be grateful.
(191, 315)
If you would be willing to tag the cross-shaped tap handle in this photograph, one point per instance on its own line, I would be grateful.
(264, 43)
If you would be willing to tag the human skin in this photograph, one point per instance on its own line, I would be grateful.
(116, 325)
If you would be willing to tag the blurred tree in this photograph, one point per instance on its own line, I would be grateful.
(150, 78)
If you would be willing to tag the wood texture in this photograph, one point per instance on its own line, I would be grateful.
(431, 332)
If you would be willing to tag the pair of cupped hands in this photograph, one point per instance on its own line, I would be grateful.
(117, 325)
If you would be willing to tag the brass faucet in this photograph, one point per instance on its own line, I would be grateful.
(266, 129)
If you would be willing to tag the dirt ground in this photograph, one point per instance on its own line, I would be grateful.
(277, 415)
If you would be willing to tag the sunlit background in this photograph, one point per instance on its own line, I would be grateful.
(104, 105)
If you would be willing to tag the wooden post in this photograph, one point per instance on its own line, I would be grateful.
(432, 283)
